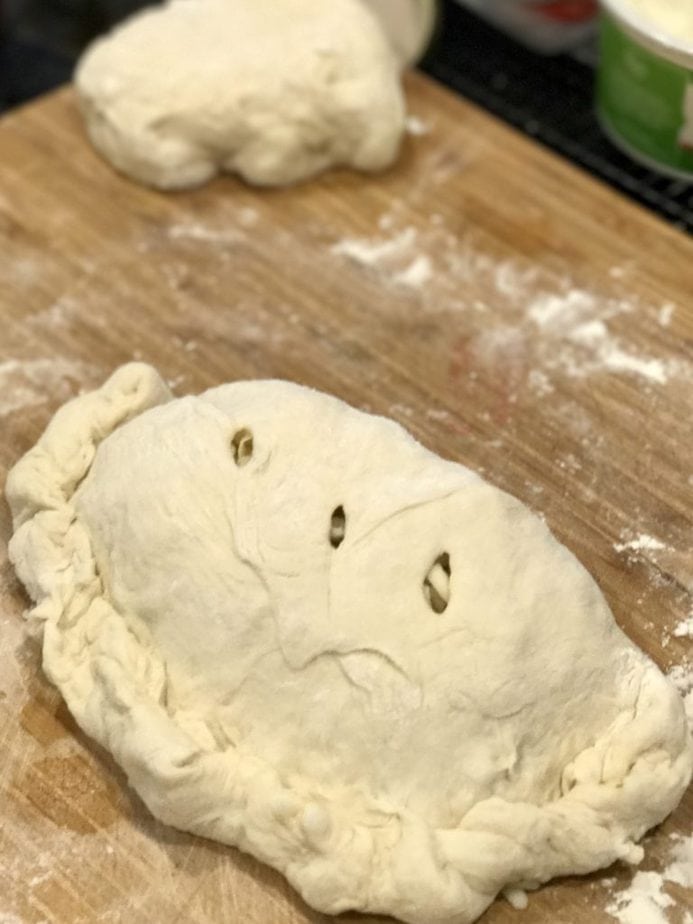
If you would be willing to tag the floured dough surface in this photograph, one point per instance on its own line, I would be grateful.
(302, 633)
(274, 90)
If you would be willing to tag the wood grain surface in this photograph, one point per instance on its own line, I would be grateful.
(515, 315)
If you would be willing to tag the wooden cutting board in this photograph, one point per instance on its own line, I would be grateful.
(515, 315)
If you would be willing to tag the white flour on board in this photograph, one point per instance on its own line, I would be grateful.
(438, 414)
(399, 411)
(248, 217)
(25, 383)
(684, 629)
(644, 548)
(539, 382)
(393, 256)
(554, 310)
(417, 273)
(24, 271)
(552, 324)
(204, 234)
(641, 543)
(373, 251)
(680, 867)
(56, 316)
(578, 316)
(645, 900)
(665, 314)
(416, 126)
(613, 358)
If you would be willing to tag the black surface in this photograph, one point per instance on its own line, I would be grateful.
(28, 70)
(549, 98)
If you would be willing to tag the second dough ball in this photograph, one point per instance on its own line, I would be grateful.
(274, 90)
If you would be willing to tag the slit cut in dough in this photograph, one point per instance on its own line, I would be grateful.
(299, 697)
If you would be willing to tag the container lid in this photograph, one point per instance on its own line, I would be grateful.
(409, 25)
(654, 25)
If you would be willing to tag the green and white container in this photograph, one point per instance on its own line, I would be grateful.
(645, 82)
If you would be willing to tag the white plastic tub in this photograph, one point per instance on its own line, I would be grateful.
(409, 25)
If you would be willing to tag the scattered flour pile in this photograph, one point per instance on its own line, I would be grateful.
(578, 318)
(642, 543)
(685, 628)
(416, 126)
(25, 383)
(394, 255)
(644, 901)
(546, 322)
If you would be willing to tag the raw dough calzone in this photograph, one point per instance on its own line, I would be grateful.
(302, 633)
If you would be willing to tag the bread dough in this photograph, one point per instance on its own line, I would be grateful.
(302, 633)
(274, 90)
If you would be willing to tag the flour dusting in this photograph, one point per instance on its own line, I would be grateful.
(641, 543)
(417, 273)
(684, 629)
(540, 383)
(438, 414)
(204, 234)
(248, 217)
(372, 251)
(681, 675)
(680, 867)
(25, 383)
(561, 310)
(416, 126)
(576, 316)
(553, 327)
(644, 901)
(401, 410)
(665, 314)
(56, 316)
(615, 359)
